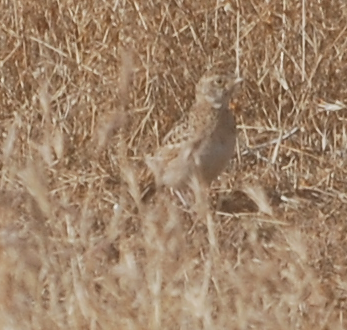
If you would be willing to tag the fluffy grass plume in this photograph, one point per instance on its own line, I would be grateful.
(88, 88)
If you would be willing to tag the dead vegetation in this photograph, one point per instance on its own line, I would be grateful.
(87, 88)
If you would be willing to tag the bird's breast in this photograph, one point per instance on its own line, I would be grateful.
(218, 148)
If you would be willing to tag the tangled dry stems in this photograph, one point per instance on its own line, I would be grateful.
(88, 88)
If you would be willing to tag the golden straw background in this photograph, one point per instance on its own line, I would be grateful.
(88, 88)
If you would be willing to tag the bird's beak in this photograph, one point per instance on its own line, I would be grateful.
(234, 85)
(238, 80)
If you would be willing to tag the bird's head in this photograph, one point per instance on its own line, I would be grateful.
(217, 87)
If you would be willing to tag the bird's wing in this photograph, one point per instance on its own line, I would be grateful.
(188, 128)
(178, 134)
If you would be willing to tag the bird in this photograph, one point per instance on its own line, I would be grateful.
(202, 143)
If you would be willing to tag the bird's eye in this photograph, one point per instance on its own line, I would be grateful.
(219, 81)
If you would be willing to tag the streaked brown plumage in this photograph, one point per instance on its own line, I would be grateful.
(203, 142)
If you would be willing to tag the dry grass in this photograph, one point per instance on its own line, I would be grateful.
(88, 88)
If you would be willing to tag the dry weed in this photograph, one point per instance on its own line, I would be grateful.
(87, 88)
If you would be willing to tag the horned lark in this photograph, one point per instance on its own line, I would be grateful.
(202, 143)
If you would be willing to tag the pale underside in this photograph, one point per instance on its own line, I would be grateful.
(203, 142)
(200, 145)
